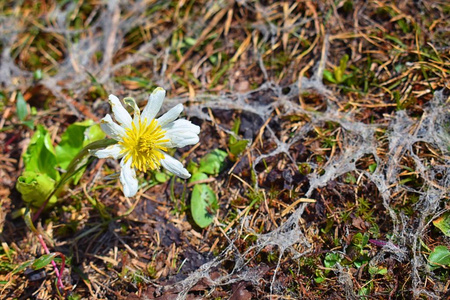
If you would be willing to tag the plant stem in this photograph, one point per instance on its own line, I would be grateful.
(57, 272)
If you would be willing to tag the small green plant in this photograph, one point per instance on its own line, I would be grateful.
(42, 160)
(330, 260)
(204, 202)
(359, 242)
(377, 270)
(236, 146)
(23, 111)
(338, 75)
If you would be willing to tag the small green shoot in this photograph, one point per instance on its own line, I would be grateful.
(338, 75)
(23, 111)
(236, 146)
(21, 107)
(360, 241)
(330, 260)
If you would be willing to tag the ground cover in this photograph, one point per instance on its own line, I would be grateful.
(322, 169)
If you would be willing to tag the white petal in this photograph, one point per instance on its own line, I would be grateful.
(112, 151)
(174, 166)
(154, 104)
(120, 113)
(171, 115)
(182, 125)
(180, 140)
(181, 133)
(128, 178)
(111, 128)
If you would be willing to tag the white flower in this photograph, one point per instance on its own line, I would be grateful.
(144, 140)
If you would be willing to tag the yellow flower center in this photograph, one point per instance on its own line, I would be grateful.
(142, 144)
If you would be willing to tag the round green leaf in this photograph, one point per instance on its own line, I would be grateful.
(440, 257)
(203, 205)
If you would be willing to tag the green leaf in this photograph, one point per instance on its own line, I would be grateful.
(372, 167)
(364, 291)
(338, 75)
(161, 177)
(376, 270)
(235, 129)
(37, 75)
(319, 280)
(40, 156)
(343, 63)
(43, 261)
(21, 107)
(443, 223)
(327, 75)
(213, 162)
(203, 205)
(77, 136)
(192, 167)
(29, 124)
(439, 257)
(79, 161)
(360, 240)
(362, 260)
(238, 147)
(23, 266)
(71, 143)
(35, 188)
(197, 177)
(190, 41)
(92, 134)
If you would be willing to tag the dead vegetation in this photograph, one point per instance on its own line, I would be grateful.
(346, 111)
